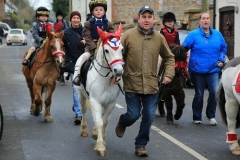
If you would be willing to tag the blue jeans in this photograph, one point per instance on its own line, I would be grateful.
(199, 82)
(138, 104)
(76, 102)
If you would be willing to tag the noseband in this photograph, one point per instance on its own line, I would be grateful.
(110, 65)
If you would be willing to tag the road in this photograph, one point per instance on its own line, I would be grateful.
(27, 137)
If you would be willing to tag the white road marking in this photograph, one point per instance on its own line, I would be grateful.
(119, 106)
(183, 146)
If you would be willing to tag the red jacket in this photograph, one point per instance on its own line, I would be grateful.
(172, 37)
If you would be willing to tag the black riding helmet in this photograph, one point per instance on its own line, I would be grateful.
(95, 3)
(168, 17)
(59, 13)
(42, 11)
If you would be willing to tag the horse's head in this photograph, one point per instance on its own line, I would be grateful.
(56, 46)
(112, 50)
(180, 54)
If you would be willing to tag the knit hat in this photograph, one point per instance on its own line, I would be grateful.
(75, 13)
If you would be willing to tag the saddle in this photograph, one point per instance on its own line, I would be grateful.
(32, 58)
(85, 68)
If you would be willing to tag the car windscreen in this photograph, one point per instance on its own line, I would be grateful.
(15, 32)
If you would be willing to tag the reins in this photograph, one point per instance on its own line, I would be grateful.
(102, 66)
(110, 70)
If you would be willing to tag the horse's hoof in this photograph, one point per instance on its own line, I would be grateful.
(236, 152)
(84, 134)
(48, 119)
(170, 122)
(163, 115)
(36, 113)
(101, 153)
(95, 137)
(178, 115)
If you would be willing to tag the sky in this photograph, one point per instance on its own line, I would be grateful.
(44, 3)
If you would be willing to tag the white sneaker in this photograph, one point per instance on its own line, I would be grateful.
(212, 121)
(197, 121)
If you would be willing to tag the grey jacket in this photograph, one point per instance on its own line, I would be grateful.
(39, 33)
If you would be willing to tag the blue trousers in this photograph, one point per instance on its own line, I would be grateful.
(199, 82)
(138, 104)
(76, 102)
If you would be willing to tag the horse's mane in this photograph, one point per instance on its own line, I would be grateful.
(179, 52)
(98, 45)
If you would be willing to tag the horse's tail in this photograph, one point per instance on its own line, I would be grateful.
(221, 102)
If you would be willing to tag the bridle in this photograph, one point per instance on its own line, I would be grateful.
(113, 62)
(55, 53)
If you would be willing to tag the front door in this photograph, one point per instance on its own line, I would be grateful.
(227, 15)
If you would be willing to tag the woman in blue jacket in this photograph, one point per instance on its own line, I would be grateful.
(208, 50)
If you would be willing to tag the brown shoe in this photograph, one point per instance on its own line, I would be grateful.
(120, 130)
(141, 151)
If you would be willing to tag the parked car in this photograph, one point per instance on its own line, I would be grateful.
(6, 28)
(16, 35)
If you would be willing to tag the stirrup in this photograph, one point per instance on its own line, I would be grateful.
(26, 62)
(77, 80)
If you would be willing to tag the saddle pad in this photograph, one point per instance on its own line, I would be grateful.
(237, 86)
(32, 58)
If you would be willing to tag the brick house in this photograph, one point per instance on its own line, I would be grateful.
(2, 2)
(228, 10)
(185, 10)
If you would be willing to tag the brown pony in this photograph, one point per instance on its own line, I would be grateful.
(175, 88)
(42, 74)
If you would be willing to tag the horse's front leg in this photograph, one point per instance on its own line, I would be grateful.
(37, 92)
(30, 87)
(107, 111)
(97, 112)
(179, 97)
(169, 105)
(48, 101)
(232, 107)
(83, 127)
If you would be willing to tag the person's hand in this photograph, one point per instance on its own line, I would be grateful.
(219, 64)
(166, 80)
(115, 80)
(83, 42)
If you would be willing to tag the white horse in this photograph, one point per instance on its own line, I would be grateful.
(228, 98)
(101, 90)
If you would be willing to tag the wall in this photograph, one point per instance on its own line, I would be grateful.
(127, 10)
(1, 9)
(236, 3)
